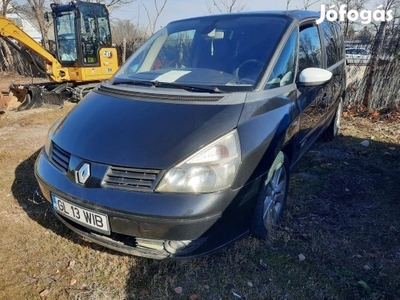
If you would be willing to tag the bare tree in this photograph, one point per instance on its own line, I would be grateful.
(350, 5)
(225, 6)
(287, 4)
(5, 49)
(116, 3)
(308, 3)
(127, 37)
(351, 32)
(365, 36)
(111, 4)
(158, 10)
(38, 7)
(5, 5)
(372, 68)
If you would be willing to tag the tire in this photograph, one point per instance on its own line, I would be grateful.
(272, 198)
(334, 127)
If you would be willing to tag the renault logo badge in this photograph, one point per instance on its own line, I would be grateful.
(83, 174)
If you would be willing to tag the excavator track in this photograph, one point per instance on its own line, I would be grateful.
(81, 90)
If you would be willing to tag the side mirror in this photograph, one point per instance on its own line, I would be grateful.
(313, 77)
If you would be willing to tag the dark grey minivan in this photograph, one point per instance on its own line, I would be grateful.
(190, 145)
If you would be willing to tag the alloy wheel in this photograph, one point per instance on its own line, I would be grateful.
(275, 196)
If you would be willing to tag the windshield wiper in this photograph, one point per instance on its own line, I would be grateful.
(132, 81)
(159, 84)
(188, 87)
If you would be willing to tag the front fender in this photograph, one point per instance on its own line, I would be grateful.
(263, 131)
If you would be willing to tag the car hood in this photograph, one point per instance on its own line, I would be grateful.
(142, 134)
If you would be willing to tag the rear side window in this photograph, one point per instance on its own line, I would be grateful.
(310, 53)
(340, 40)
(331, 45)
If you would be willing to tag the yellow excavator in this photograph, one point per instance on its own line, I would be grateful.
(80, 56)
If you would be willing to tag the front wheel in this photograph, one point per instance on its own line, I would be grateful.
(272, 198)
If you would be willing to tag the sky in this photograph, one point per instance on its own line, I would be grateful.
(180, 9)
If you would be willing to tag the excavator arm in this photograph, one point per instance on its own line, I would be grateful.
(53, 68)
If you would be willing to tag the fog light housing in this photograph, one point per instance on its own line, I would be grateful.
(182, 247)
(174, 247)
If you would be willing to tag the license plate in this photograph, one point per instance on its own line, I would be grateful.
(83, 216)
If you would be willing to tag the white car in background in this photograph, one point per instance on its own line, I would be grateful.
(357, 56)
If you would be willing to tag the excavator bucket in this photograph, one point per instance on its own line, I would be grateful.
(34, 96)
(27, 98)
(19, 92)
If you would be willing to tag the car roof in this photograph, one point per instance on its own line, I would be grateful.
(296, 15)
(302, 15)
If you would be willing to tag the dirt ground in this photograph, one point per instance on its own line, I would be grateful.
(339, 238)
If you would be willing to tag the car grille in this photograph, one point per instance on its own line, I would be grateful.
(60, 157)
(130, 179)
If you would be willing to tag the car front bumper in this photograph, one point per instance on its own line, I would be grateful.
(148, 224)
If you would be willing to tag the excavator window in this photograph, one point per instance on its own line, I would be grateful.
(95, 32)
(66, 41)
(89, 40)
(104, 31)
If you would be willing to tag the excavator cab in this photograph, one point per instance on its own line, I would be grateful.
(81, 29)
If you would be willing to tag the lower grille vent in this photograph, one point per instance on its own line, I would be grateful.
(130, 179)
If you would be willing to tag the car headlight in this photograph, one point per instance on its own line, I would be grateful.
(211, 169)
(50, 134)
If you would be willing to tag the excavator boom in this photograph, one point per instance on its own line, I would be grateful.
(8, 31)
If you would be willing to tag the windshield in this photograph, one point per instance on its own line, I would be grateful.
(227, 52)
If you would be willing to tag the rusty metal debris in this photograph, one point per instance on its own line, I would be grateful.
(4, 100)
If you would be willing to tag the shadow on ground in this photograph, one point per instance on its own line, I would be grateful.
(339, 238)
(27, 193)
